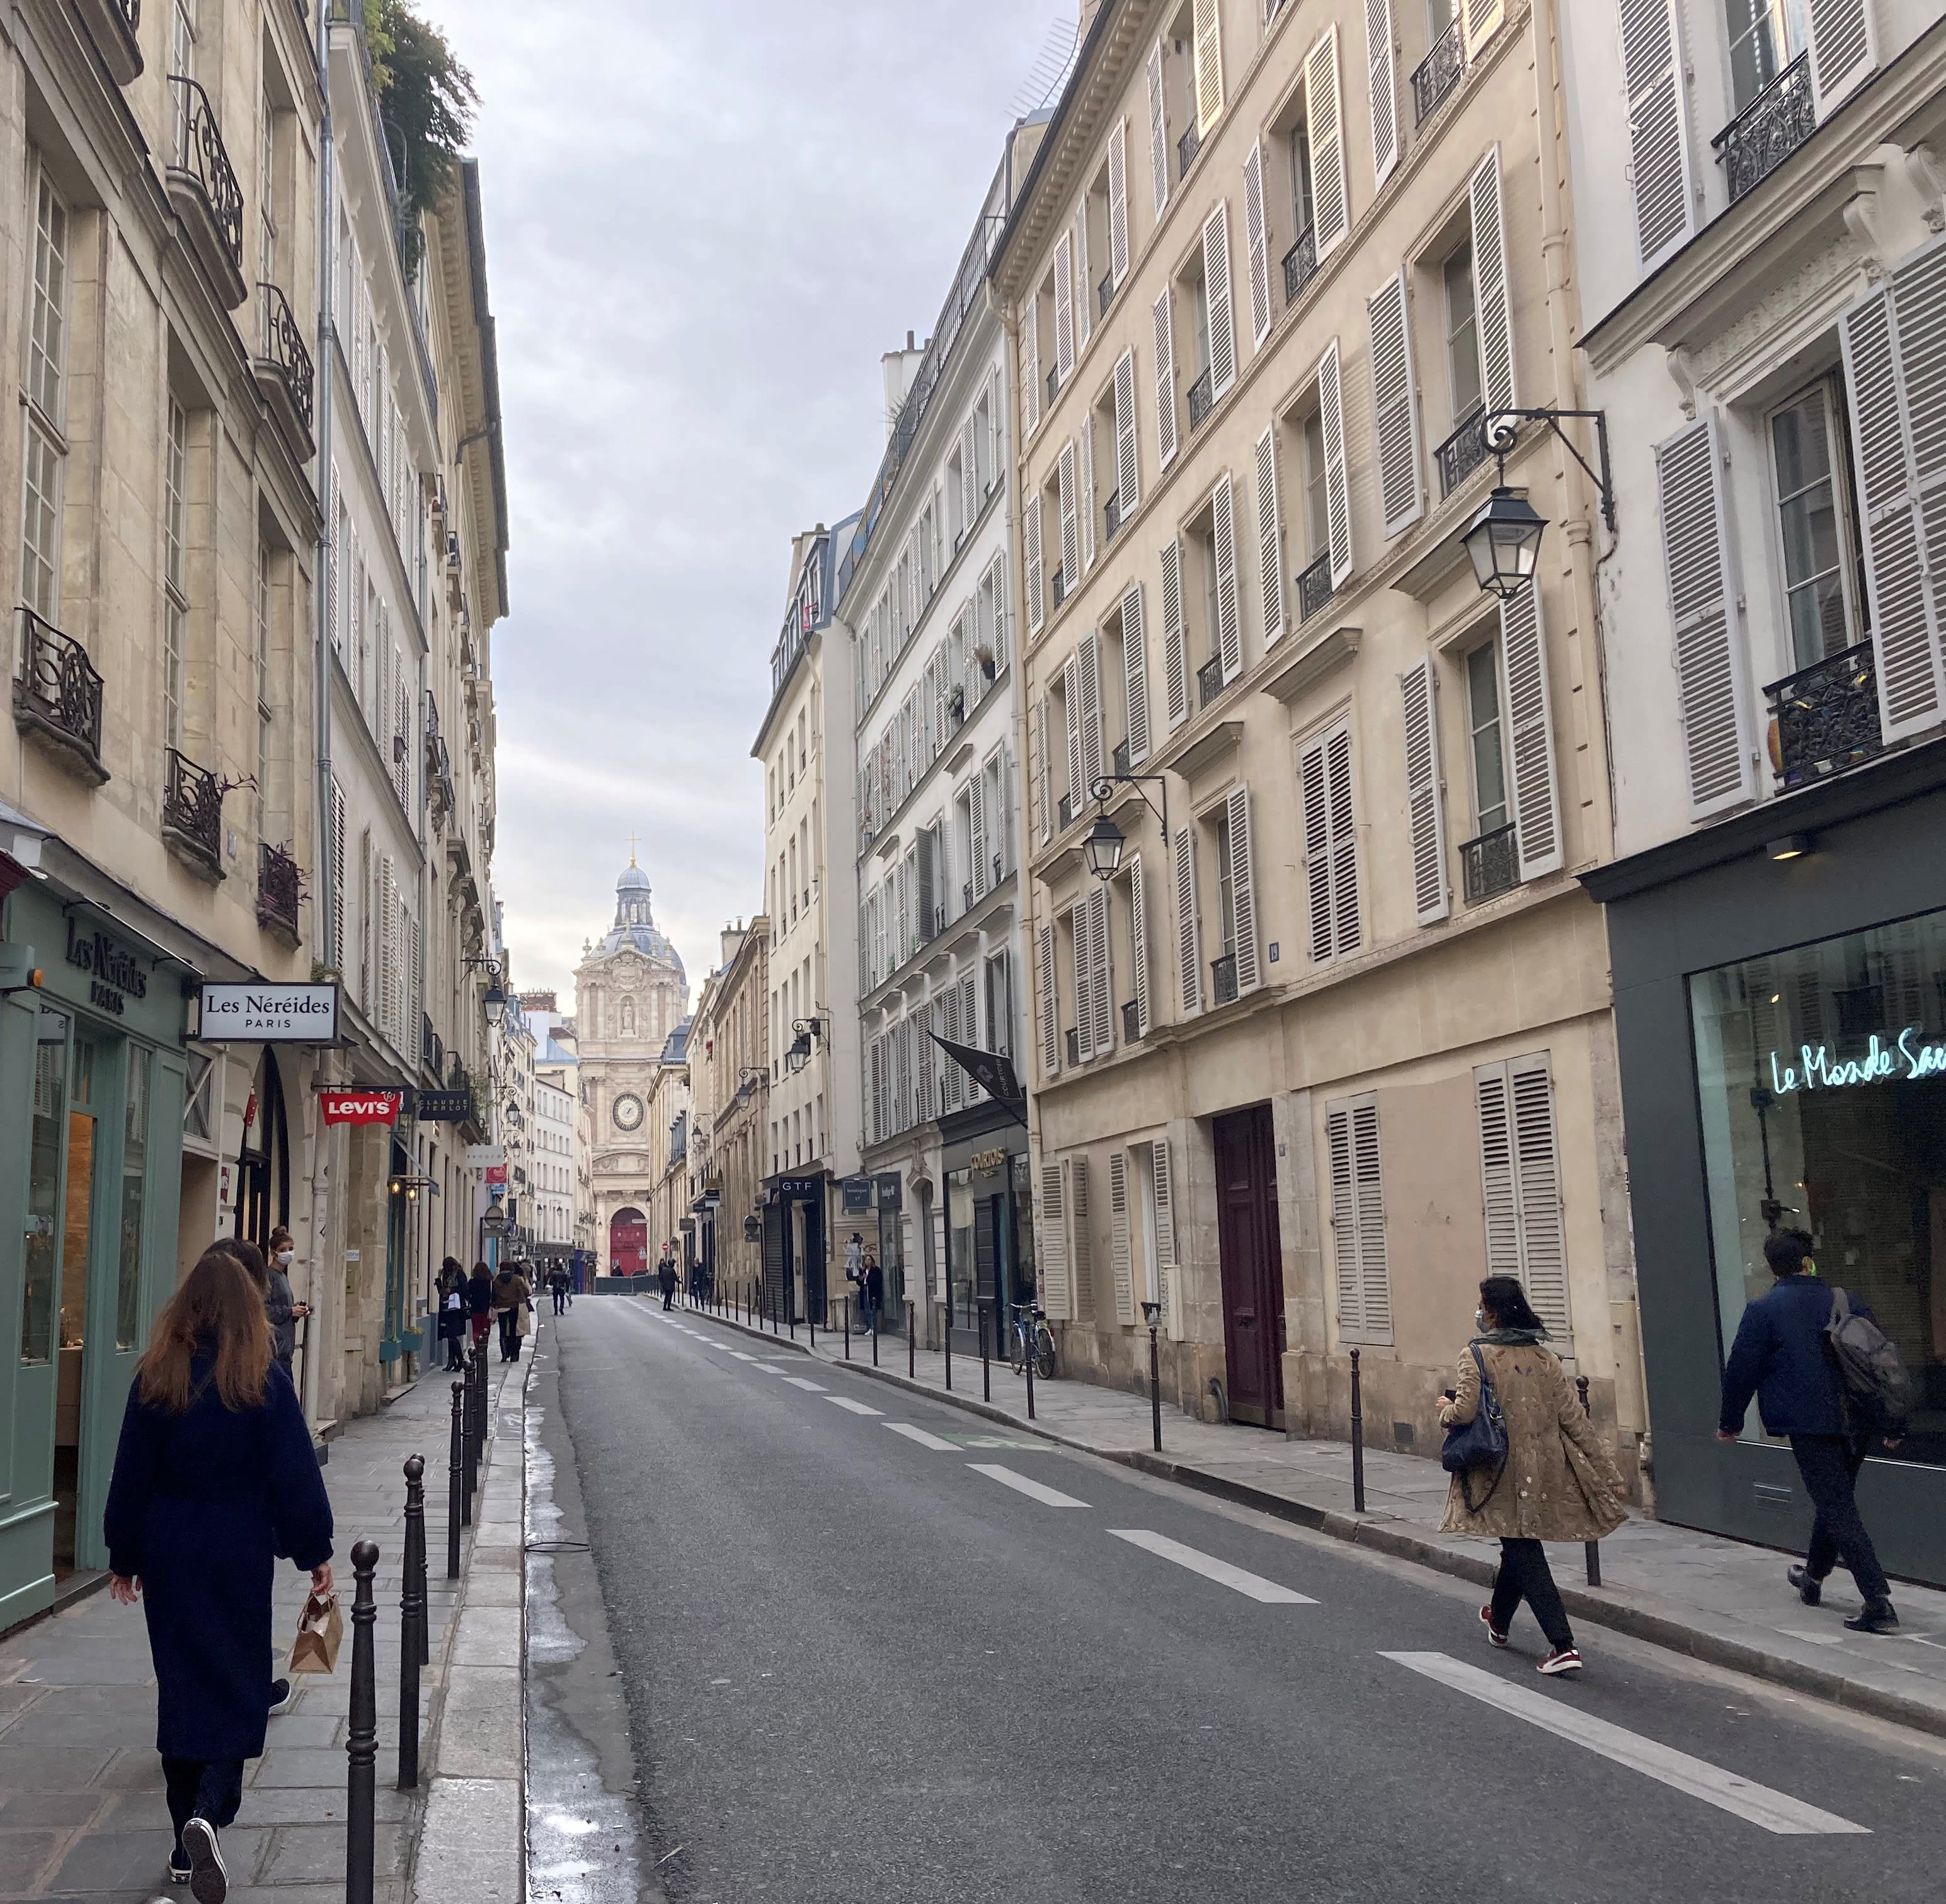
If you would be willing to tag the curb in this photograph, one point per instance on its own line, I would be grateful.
(1638, 1622)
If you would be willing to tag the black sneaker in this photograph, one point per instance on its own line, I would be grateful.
(209, 1882)
(280, 1696)
(178, 1867)
(1810, 1588)
(1875, 1616)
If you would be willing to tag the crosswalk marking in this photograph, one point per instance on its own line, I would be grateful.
(1047, 1497)
(924, 1439)
(804, 1382)
(1253, 1585)
(1775, 1811)
(857, 1408)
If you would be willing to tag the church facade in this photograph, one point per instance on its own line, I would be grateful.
(630, 995)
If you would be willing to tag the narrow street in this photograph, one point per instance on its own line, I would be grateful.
(873, 1648)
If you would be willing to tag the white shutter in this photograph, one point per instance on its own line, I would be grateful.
(1100, 959)
(1216, 289)
(1384, 89)
(976, 801)
(1483, 19)
(1136, 675)
(1121, 1251)
(1071, 536)
(1050, 1025)
(1844, 50)
(1324, 124)
(1243, 890)
(1030, 555)
(1207, 52)
(1128, 481)
(1138, 944)
(1070, 702)
(1424, 794)
(1258, 239)
(1395, 421)
(1057, 1285)
(1530, 739)
(1537, 1181)
(1165, 373)
(1499, 1204)
(1165, 1198)
(1044, 777)
(1030, 388)
(1088, 655)
(1337, 480)
(1175, 640)
(1659, 162)
(1188, 937)
(1158, 132)
(1270, 536)
(1718, 751)
(1493, 297)
(1344, 1224)
(1118, 202)
(1064, 307)
(1088, 491)
(1313, 787)
(1330, 845)
(954, 1093)
(338, 880)
(1080, 1256)
(1229, 624)
(1084, 291)
(1080, 921)
(1358, 1220)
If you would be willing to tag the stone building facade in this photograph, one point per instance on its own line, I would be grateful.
(730, 1088)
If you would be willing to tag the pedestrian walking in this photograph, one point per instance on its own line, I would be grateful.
(1784, 1356)
(214, 1478)
(557, 1283)
(1553, 1479)
(479, 1301)
(854, 1274)
(512, 1293)
(283, 1255)
(450, 1292)
(874, 1287)
(665, 1275)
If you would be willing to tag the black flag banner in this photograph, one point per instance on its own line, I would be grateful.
(991, 1071)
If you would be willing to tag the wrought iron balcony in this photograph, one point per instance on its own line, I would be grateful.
(1210, 679)
(1073, 1047)
(193, 814)
(284, 370)
(1119, 758)
(115, 27)
(966, 896)
(1105, 290)
(204, 190)
(1300, 264)
(1438, 73)
(57, 695)
(1202, 400)
(1065, 813)
(1053, 385)
(1314, 587)
(279, 887)
(1112, 514)
(1060, 588)
(1768, 130)
(1461, 454)
(1187, 147)
(1223, 979)
(1132, 1022)
(1490, 864)
(1826, 717)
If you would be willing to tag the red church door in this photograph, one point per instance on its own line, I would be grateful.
(628, 1243)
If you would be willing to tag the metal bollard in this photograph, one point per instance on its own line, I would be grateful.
(875, 1338)
(459, 1509)
(810, 1316)
(1357, 1439)
(946, 1336)
(911, 1347)
(1155, 1387)
(1590, 1550)
(469, 1448)
(361, 1742)
(985, 1357)
(412, 1626)
(1033, 1349)
(848, 1325)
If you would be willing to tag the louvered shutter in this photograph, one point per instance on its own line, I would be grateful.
(1128, 482)
(1483, 19)
(1064, 307)
(1314, 785)
(1243, 889)
(388, 949)
(1134, 675)
(982, 867)
(1088, 491)
(969, 1028)
(1165, 1197)
(1165, 372)
(1030, 555)
(1844, 50)
(1270, 536)
(1207, 53)
(1537, 1180)
(1344, 1224)
(1030, 388)
(1102, 956)
(1384, 89)
(1081, 923)
(1188, 936)
(1057, 1285)
(1070, 705)
(1499, 1203)
(1394, 422)
(1229, 623)
(1121, 1249)
(1358, 1221)
(1258, 239)
(1044, 777)
(1493, 296)
(926, 1063)
(1718, 752)
(1175, 641)
(1337, 479)
(1425, 816)
(1530, 740)
(949, 1012)
(1070, 540)
(1050, 1010)
(368, 923)
(1138, 944)
(1158, 132)
(1081, 1255)
(1084, 299)
(338, 880)
(969, 478)
(1324, 124)
(1216, 289)
(1089, 657)
(928, 869)
(1118, 202)
(1659, 164)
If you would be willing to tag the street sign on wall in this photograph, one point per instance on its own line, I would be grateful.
(269, 1015)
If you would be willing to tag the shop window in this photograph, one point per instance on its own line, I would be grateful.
(44, 1184)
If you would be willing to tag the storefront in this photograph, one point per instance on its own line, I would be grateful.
(1780, 1012)
(794, 1247)
(989, 1258)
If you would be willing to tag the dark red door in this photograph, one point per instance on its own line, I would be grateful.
(1250, 1252)
(628, 1243)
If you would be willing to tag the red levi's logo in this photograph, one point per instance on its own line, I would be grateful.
(359, 1107)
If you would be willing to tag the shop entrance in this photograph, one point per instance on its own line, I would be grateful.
(988, 1250)
(1250, 1252)
(263, 1167)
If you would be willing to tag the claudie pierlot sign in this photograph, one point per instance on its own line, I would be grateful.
(270, 1014)
(113, 975)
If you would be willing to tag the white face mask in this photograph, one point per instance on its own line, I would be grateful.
(284, 1256)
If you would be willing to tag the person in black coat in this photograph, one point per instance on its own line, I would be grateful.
(479, 1300)
(215, 1480)
(450, 1292)
(666, 1276)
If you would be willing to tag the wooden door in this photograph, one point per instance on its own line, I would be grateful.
(1250, 1254)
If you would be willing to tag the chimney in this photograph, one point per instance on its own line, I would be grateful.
(732, 942)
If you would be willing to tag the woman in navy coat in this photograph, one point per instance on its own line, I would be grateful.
(215, 1480)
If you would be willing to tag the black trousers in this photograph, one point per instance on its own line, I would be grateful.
(560, 1301)
(510, 1333)
(1524, 1574)
(202, 1787)
(1829, 1465)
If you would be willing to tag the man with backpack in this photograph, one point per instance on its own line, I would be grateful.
(1824, 1375)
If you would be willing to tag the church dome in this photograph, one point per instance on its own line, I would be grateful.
(635, 923)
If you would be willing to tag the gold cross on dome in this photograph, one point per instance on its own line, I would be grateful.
(631, 849)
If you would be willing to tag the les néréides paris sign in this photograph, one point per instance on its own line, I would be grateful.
(1911, 1055)
(269, 1015)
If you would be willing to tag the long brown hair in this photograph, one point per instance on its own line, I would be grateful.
(251, 1257)
(218, 1305)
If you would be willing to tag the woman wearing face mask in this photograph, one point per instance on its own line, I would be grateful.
(286, 1311)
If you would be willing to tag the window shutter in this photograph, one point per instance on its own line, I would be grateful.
(1158, 132)
(1136, 675)
(1530, 719)
(969, 1028)
(1031, 389)
(1088, 491)
(948, 1014)
(1188, 938)
(1384, 89)
(1658, 130)
(1165, 1198)
(1070, 541)
(1050, 1027)
(1081, 921)
(1498, 1200)
(1344, 1224)
(1258, 239)
(1314, 784)
(1718, 751)
(1057, 1285)
(1425, 817)
(926, 1059)
(1537, 1177)
(1070, 704)
(1080, 1255)
(928, 884)
(1174, 641)
(338, 880)
(1229, 626)
(1358, 1221)
(1127, 476)
(1089, 655)
(1043, 779)
(1121, 1252)
(1331, 847)
(1216, 287)
(1138, 944)
(1243, 890)
(1208, 54)
(1102, 958)
(1844, 50)
(1164, 372)
(1337, 481)
(1084, 298)
(1270, 536)
(1483, 19)
(982, 869)
(1118, 201)
(1064, 307)
(1324, 107)
(1031, 556)
(1395, 423)
(1492, 295)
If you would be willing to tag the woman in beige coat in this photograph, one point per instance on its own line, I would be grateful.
(1557, 1482)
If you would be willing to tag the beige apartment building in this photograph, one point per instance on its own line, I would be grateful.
(668, 1126)
(729, 1062)
(1336, 1044)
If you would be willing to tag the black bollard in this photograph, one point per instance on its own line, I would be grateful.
(361, 1742)
(1155, 1387)
(911, 1347)
(1590, 1550)
(1357, 1439)
(1033, 1349)
(946, 1337)
(411, 1627)
(848, 1325)
(810, 1316)
(874, 1338)
(469, 1453)
(986, 1359)
(457, 1509)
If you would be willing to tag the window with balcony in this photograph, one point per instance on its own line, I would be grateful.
(1490, 860)
(1809, 465)
(44, 449)
(175, 582)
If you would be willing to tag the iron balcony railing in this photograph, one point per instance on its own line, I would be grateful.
(1065, 813)
(201, 152)
(1461, 454)
(1827, 717)
(1438, 73)
(1223, 979)
(1768, 130)
(1073, 1047)
(1053, 384)
(1187, 147)
(1490, 864)
(1314, 587)
(58, 689)
(1210, 679)
(1132, 1022)
(1300, 263)
(1105, 290)
(284, 346)
(1111, 513)
(966, 896)
(193, 808)
(1119, 759)
(1060, 588)
(1202, 400)
(280, 886)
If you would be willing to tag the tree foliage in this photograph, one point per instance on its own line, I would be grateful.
(426, 104)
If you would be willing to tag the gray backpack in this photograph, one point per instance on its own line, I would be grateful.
(1868, 1365)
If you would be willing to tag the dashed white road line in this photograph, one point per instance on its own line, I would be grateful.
(740, 1356)
(1775, 1811)
(924, 1439)
(857, 1408)
(804, 1382)
(1252, 1585)
(1047, 1497)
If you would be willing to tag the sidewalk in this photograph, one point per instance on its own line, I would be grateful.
(82, 1813)
(1717, 1599)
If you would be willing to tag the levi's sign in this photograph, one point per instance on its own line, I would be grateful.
(360, 1106)
(270, 1014)
(1910, 1055)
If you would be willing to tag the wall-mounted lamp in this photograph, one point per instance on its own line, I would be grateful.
(1101, 846)
(1503, 540)
(1792, 845)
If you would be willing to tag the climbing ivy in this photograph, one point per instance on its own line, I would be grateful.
(426, 104)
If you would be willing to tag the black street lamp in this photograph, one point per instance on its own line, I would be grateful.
(1503, 541)
(799, 1056)
(496, 1000)
(1102, 846)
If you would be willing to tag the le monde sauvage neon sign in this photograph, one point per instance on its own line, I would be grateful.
(1910, 1055)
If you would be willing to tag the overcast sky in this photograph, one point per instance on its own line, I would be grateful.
(705, 225)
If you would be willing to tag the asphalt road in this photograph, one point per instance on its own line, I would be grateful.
(860, 1667)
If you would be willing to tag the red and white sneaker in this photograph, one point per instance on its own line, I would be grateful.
(1567, 1660)
(1486, 1620)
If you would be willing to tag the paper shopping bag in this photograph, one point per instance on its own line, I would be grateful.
(320, 1632)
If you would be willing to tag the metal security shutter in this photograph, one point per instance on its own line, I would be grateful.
(1258, 240)
(1071, 531)
(1718, 752)
(1127, 477)
(1030, 555)
(1844, 50)
(1243, 889)
(1138, 938)
(1048, 1004)
(1121, 1250)
(1165, 1258)
(1080, 1254)
(1216, 289)
(1492, 295)
(1057, 1283)
(1379, 67)
(1394, 419)
(1659, 171)
(1158, 132)
(1358, 1220)
(1165, 373)
(1520, 1184)
(1175, 638)
(1531, 743)
(1118, 202)
(1270, 536)
(1337, 479)
(1324, 107)
(1136, 675)
(1208, 54)
(1064, 307)
(1425, 816)
(1188, 936)
(1229, 621)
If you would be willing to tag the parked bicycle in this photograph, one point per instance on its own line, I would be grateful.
(1031, 1337)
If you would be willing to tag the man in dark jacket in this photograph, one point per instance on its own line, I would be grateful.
(665, 1277)
(1779, 1357)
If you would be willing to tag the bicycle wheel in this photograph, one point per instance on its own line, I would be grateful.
(1044, 1353)
(1017, 1351)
